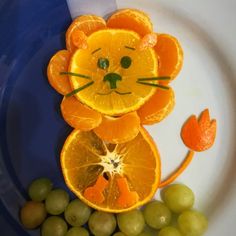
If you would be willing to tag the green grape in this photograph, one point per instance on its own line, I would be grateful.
(54, 226)
(192, 223)
(145, 234)
(119, 234)
(32, 214)
(39, 189)
(178, 197)
(102, 223)
(77, 213)
(131, 223)
(57, 201)
(77, 231)
(169, 231)
(157, 215)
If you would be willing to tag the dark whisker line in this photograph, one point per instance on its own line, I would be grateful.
(105, 93)
(129, 48)
(79, 89)
(120, 93)
(96, 50)
(75, 74)
(155, 78)
(154, 85)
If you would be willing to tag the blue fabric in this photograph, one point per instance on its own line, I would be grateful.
(31, 129)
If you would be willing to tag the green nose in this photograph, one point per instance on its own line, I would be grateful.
(112, 78)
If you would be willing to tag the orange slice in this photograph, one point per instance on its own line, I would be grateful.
(59, 63)
(170, 55)
(78, 115)
(119, 129)
(157, 107)
(109, 177)
(88, 24)
(114, 90)
(131, 19)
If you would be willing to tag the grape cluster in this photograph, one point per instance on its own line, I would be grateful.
(52, 210)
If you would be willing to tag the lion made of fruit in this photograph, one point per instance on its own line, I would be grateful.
(115, 77)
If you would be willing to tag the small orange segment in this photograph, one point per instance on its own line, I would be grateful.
(158, 107)
(59, 63)
(199, 135)
(119, 129)
(95, 193)
(131, 19)
(170, 55)
(132, 170)
(88, 24)
(79, 39)
(127, 198)
(148, 41)
(78, 115)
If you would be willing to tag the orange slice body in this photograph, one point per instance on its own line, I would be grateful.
(108, 177)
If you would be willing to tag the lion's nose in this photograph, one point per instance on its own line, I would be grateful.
(112, 78)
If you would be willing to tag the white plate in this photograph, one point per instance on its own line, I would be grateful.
(206, 30)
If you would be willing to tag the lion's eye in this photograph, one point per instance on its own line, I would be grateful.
(125, 62)
(103, 63)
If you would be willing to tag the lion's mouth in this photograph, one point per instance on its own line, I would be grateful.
(114, 91)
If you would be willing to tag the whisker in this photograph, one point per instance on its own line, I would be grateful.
(79, 89)
(75, 74)
(155, 78)
(120, 93)
(105, 93)
(153, 85)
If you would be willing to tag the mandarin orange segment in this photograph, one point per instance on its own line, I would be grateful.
(78, 115)
(125, 94)
(79, 39)
(131, 169)
(88, 24)
(59, 63)
(157, 107)
(170, 55)
(148, 41)
(118, 129)
(131, 19)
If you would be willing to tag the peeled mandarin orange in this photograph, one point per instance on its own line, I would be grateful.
(170, 55)
(59, 63)
(114, 90)
(88, 24)
(111, 177)
(157, 107)
(131, 19)
(118, 129)
(79, 116)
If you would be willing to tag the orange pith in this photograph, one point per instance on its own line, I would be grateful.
(86, 159)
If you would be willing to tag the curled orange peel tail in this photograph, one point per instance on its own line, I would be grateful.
(199, 135)
(95, 193)
(179, 171)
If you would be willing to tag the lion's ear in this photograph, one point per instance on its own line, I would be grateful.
(79, 39)
(148, 41)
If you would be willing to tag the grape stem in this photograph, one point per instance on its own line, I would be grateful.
(179, 171)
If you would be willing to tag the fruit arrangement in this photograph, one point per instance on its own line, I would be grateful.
(52, 210)
(115, 77)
